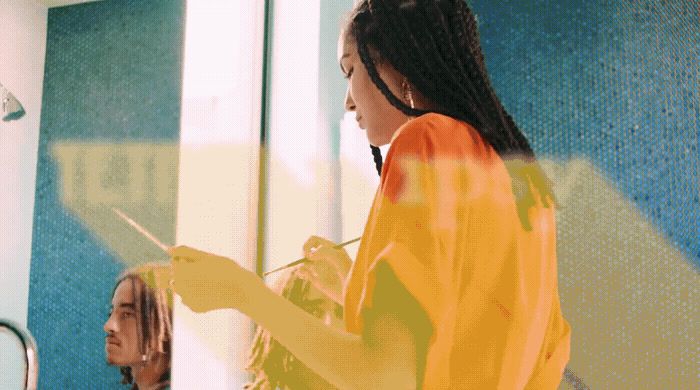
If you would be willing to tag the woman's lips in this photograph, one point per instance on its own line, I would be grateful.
(112, 341)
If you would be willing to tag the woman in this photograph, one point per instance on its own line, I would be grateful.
(272, 365)
(455, 284)
(139, 327)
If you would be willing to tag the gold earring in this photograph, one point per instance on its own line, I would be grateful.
(407, 93)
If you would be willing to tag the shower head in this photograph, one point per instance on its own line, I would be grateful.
(11, 107)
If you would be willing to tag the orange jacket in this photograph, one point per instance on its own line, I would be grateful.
(444, 219)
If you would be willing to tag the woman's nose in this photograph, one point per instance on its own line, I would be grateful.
(349, 103)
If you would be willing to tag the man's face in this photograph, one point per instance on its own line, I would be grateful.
(122, 342)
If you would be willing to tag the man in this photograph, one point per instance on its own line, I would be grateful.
(139, 327)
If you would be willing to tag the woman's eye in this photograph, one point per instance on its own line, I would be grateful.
(348, 75)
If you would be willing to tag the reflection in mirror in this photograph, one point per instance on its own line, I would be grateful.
(108, 138)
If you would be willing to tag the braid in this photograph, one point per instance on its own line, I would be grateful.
(435, 44)
(377, 153)
(423, 72)
(145, 333)
(127, 378)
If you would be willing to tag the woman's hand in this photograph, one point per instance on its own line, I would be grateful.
(209, 282)
(327, 267)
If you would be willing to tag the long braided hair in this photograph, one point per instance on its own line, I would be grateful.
(435, 45)
(153, 299)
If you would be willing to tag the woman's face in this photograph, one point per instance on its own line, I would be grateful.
(121, 343)
(373, 111)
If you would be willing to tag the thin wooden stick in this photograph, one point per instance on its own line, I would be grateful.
(165, 248)
(304, 259)
(141, 229)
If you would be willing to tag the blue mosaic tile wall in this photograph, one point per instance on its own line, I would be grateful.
(113, 74)
(613, 82)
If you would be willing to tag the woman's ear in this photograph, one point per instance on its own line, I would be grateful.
(391, 76)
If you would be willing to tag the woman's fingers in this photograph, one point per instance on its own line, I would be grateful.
(333, 260)
(307, 272)
(315, 242)
(321, 253)
(319, 241)
(182, 252)
(189, 255)
(320, 250)
(338, 258)
(322, 275)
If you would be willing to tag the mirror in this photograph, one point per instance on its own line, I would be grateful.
(101, 85)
